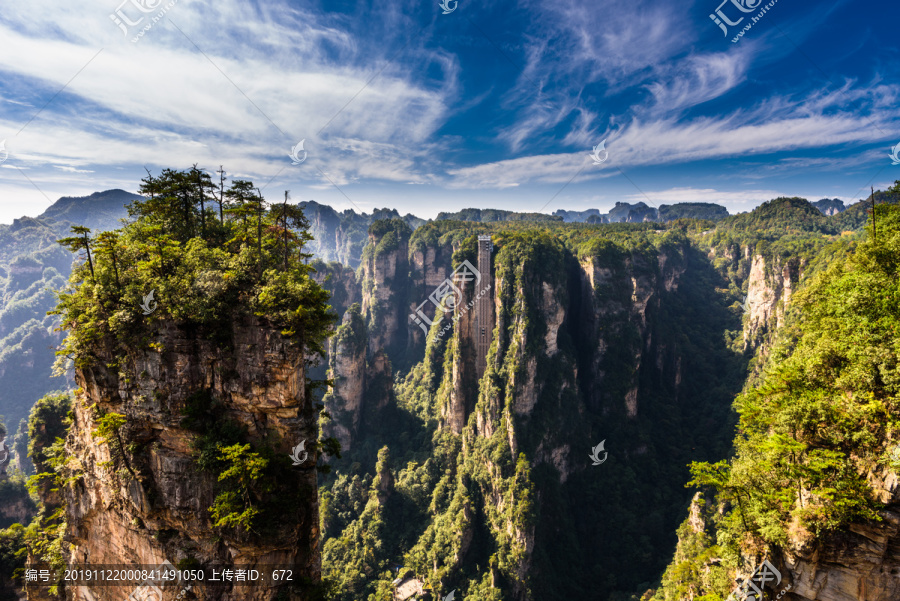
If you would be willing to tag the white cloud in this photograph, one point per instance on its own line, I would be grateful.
(73, 169)
(699, 78)
(775, 125)
(160, 102)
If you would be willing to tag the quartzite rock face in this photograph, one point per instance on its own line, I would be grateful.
(162, 513)
(347, 368)
(429, 267)
(768, 296)
(385, 284)
(860, 563)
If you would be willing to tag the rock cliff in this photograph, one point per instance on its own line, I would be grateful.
(347, 369)
(862, 562)
(769, 287)
(151, 503)
(385, 284)
(341, 283)
(581, 352)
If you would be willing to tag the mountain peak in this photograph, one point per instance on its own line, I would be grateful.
(100, 210)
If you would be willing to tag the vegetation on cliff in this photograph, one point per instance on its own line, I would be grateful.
(202, 267)
(468, 511)
(198, 263)
(41, 540)
(499, 510)
(818, 427)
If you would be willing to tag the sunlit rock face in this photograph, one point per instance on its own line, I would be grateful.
(154, 506)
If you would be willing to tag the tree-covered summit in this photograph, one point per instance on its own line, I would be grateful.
(195, 254)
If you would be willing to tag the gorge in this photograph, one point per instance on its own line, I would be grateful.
(464, 461)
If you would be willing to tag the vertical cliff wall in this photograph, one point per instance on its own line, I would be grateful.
(605, 345)
(347, 369)
(769, 287)
(147, 500)
(385, 285)
(594, 341)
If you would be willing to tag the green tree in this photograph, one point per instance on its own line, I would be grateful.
(81, 241)
(108, 245)
(234, 507)
(109, 432)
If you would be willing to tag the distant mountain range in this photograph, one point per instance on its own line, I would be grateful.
(32, 267)
(625, 212)
(341, 236)
(492, 215)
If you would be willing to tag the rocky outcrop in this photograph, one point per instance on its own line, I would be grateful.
(769, 287)
(17, 511)
(151, 503)
(340, 282)
(385, 284)
(830, 206)
(347, 369)
(616, 300)
(863, 563)
(580, 353)
(430, 265)
(860, 562)
(342, 236)
(379, 380)
(464, 378)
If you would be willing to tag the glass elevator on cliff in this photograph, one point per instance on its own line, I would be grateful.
(484, 306)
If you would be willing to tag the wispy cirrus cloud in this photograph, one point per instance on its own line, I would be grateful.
(509, 97)
(755, 131)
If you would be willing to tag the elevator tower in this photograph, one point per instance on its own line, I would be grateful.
(484, 305)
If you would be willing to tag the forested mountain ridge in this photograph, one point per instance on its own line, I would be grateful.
(814, 484)
(341, 236)
(482, 473)
(762, 258)
(637, 335)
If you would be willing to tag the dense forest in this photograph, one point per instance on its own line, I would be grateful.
(817, 430)
(766, 424)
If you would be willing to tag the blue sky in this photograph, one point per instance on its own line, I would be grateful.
(496, 104)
